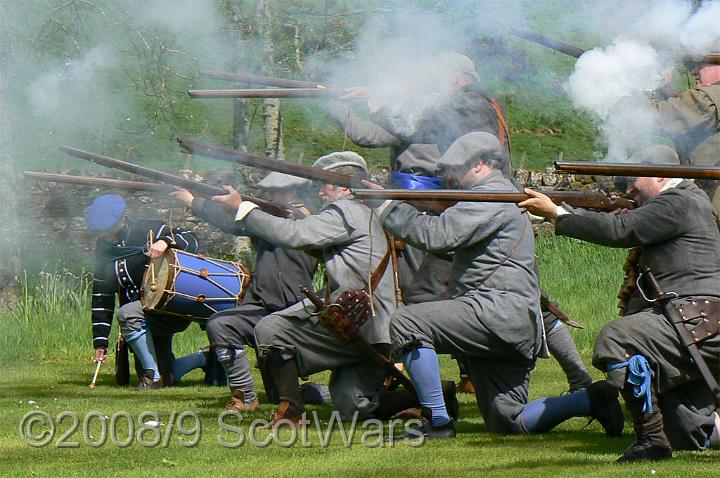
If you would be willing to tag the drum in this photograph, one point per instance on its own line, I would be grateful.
(192, 286)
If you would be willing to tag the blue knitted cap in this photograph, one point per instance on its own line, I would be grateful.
(104, 212)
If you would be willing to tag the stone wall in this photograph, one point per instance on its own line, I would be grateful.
(53, 231)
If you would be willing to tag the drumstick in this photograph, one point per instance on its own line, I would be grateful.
(97, 371)
(153, 284)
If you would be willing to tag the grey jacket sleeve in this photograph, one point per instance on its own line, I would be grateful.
(461, 225)
(658, 220)
(361, 131)
(328, 228)
(215, 213)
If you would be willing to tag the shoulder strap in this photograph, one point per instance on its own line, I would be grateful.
(380, 269)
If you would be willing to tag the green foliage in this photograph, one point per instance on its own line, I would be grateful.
(584, 278)
(48, 320)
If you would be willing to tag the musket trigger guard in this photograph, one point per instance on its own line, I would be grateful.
(665, 296)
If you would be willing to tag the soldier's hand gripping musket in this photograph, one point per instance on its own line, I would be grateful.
(648, 359)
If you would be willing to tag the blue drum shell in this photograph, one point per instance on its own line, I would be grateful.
(219, 288)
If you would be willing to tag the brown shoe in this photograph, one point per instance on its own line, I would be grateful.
(147, 383)
(465, 386)
(280, 417)
(237, 402)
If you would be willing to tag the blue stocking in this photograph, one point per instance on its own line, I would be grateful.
(424, 369)
(545, 414)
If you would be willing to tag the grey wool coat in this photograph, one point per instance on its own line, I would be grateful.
(492, 264)
(675, 230)
(680, 243)
(352, 243)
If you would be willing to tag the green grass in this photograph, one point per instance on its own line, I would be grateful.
(45, 355)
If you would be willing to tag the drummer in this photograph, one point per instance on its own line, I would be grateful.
(122, 249)
(275, 285)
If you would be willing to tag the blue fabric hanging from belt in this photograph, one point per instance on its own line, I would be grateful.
(414, 181)
(640, 377)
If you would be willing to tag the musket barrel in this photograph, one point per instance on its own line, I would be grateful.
(254, 160)
(259, 80)
(98, 182)
(168, 178)
(269, 93)
(711, 58)
(638, 170)
(548, 42)
(195, 186)
(571, 50)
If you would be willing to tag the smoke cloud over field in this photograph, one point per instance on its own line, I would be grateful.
(111, 76)
(615, 82)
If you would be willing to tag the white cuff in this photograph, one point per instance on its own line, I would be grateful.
(561, 211)
(244, 209)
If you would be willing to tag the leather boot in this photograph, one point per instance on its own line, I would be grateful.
(271, 392)
(404, 404)
(651, 443)
(146, 381)
(285, 376)
(425, 428)
(605, 407)
(165, 357)
(237, 402)
(286, 415)
(465, 385)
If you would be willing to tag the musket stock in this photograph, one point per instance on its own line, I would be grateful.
(448, 197)
(638, 170)
(259, 80)
(194, 186)
(269, 93)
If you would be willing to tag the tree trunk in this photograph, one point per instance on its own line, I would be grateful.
(10, 266)
(271, 106)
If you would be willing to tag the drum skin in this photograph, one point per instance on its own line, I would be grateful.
(192, 286)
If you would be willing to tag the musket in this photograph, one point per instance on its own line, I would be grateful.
(548, 42)
(99, 182)
(270, 93)
(448, 197)
(548, 305)
(167, 178)
(638, 170)
(259, 80)
(257, 161)
(575, 52)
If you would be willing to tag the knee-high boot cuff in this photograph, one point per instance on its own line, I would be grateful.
(285, 376)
